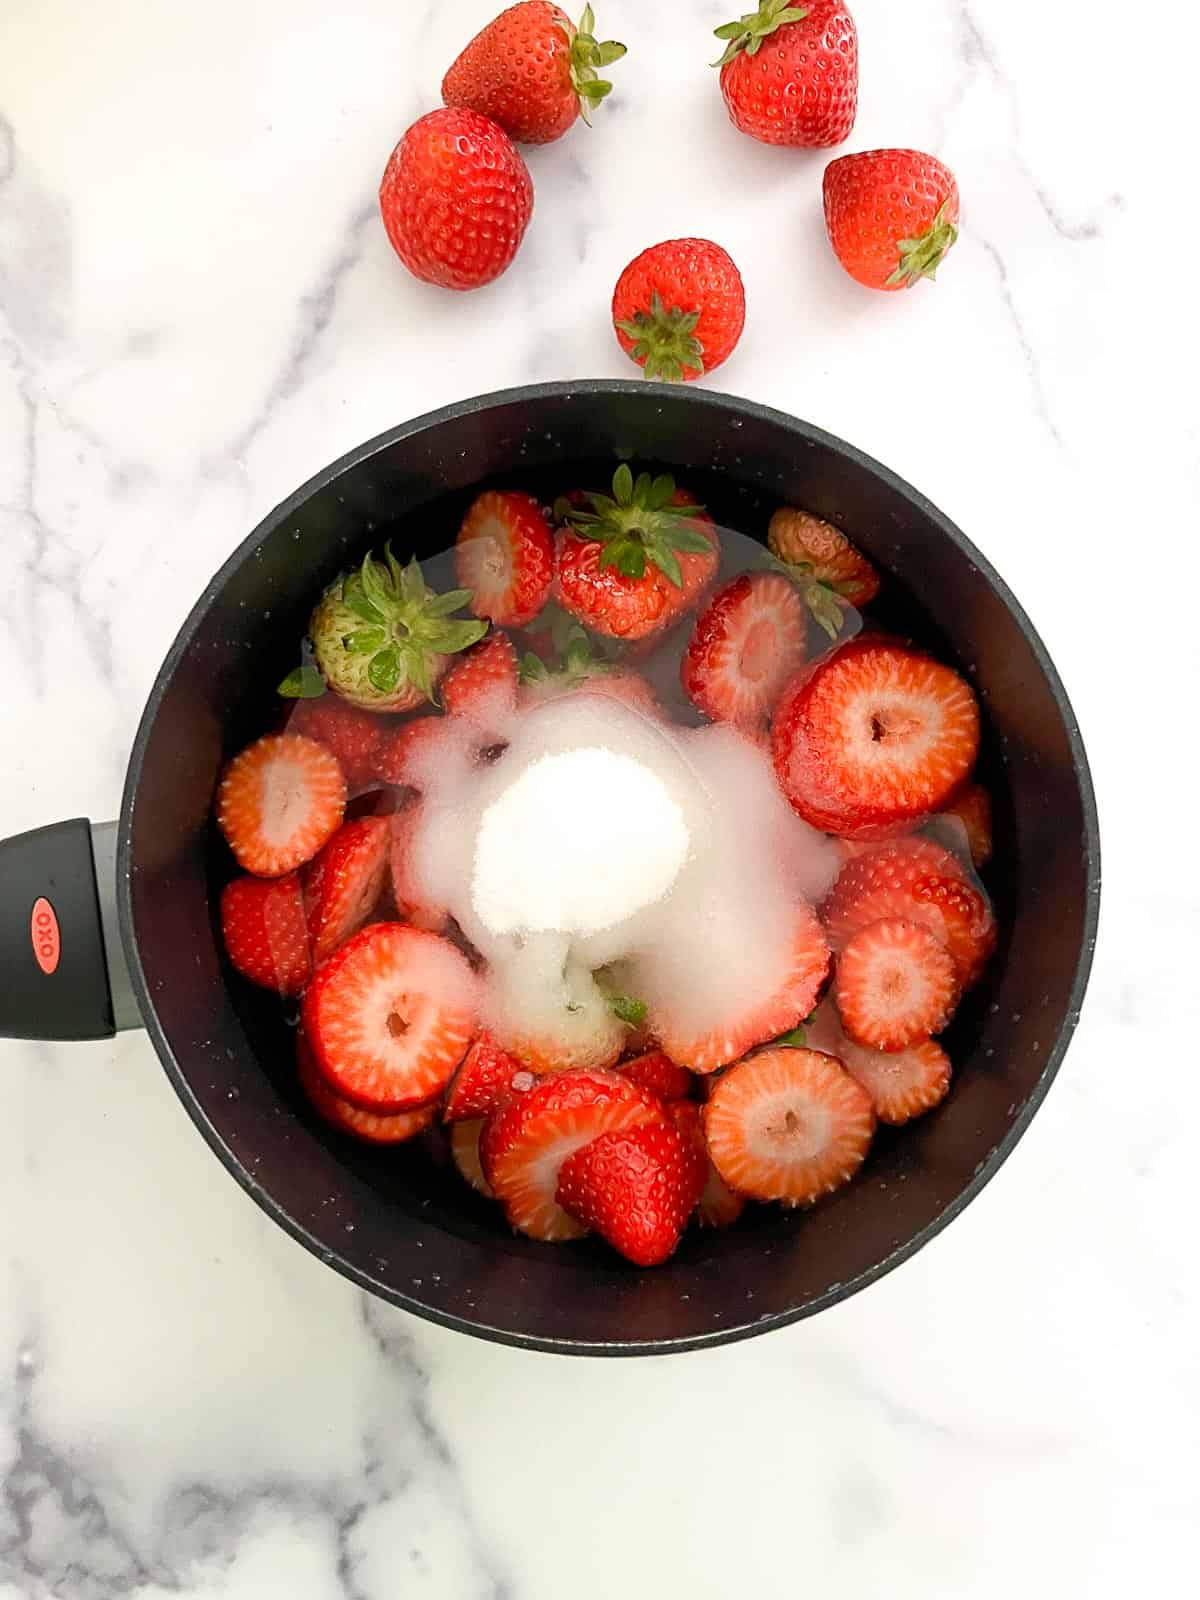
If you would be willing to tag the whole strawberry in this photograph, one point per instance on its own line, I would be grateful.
(456, 199)
(532, 71)
(891, 216)
(629, 565)
(381, 637)
(679, 309)
(789, 74)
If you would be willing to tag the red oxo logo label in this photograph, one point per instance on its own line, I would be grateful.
(44, 934)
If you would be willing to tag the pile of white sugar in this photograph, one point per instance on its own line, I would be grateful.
(578, 842)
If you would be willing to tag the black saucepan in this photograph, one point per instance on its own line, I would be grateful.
(399, 1222)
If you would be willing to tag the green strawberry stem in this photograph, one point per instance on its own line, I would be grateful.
(920, 258)
(588, 55)
(639, 524)
(631, 1012)
(665, 341)
(823, 599)
(748, 32)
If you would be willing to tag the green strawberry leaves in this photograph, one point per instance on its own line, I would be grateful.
(664, 341)
(748, 32)
(306, 683)
(920, 258)
(588, 56)
(639, 525)
(631, 1012)
(823, 599)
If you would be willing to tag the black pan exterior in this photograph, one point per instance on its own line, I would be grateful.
(400, 1223)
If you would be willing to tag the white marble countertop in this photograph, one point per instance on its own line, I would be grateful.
(198, 308)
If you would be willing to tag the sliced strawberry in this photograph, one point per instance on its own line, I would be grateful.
(636, 1189)
(483, 685)
(394, 1128)
(965, 824)
(266, 935)
(525, 1142)
(464, 1147)
(744, 648)
(788, 1125)
(351, 733)
(390, 1016)
(718, 1206)
(342, 884)
(823, 553)
(902, 1083)
(278, 802)
(656, 1072)
(874, 736)
(412, 903)
(482, 1082)
(505, 557)
(914, 878)
(766, 1019)
(896, 983)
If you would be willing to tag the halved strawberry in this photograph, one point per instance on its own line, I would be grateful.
(744, 648)
(482, 1082)
(266, 935)
(636, 1189)
(350, 732)
(874, 736)
(718, 1206)
(656, 1072)
(822, 553)
(902, 1083)
(342, 884)
(965, 824)
(505, 556)
(483, 685)
(412, 902)
(390, 1016)
(896, 983)
(764, 1020)
(525, 1142)
(279, 801)
(464, 1147)
(788, 1125)
(393, 1128)
(918, 879)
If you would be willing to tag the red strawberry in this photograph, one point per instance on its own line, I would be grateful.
(788, 1125)
(823, 554)
(965, 824)
(632, 563)
(744, 648)
(525, 1142)
(279, 801)
(891, 216)
(412, 902)
(874, 737)
(390, 1016)
(350, 732)
(902, 1084)
(505, 556)
(393, 1128)
(636, 1189)
(789, 74)
(679, 309)
(656, 1072)
(483, 1081)
(896, 983)
(770, 1017)
(343, 884)
(718, 1206)
(919, 880)
(531, 72)
(456, 199)
(266, 936)
(464, 1147)
(403, 753)
(483, 686)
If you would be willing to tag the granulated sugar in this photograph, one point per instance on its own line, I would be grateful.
(577, 843)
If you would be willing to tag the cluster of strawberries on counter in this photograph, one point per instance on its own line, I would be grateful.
(457, 197)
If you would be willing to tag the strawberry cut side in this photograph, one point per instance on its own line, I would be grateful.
(788, 1125)
(636, 1188)
(369, 1126)
(278, 802)
(464, 1148)
(525, 1142)
(744, 648)
(390, 1016)
(265, 932)
(902, 1084)
(342, 885)
(896, 983)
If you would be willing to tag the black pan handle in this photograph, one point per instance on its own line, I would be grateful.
(63, 971)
